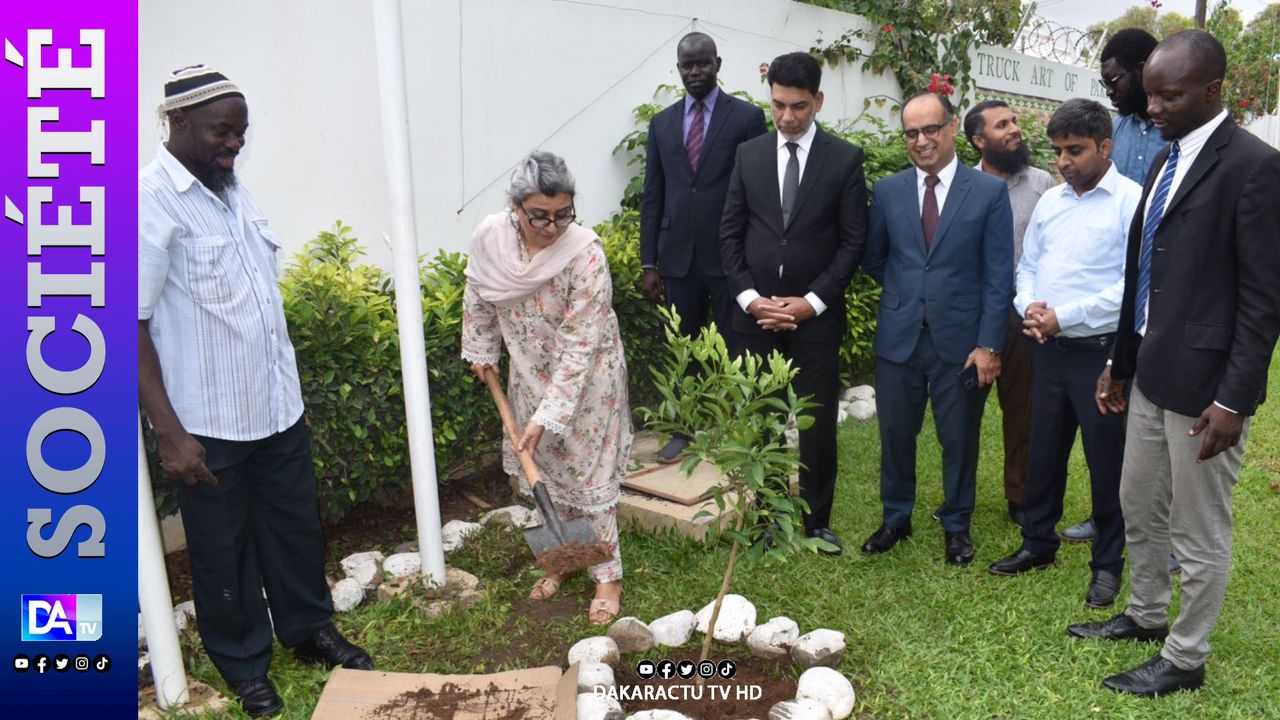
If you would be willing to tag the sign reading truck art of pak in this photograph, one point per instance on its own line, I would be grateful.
(1003, 70)
(69, 439)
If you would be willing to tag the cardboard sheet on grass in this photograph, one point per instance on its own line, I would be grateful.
(543, 693)
(668, 483)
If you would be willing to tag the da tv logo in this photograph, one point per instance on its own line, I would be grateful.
(61, 617)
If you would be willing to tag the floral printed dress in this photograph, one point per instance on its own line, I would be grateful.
(568, 373)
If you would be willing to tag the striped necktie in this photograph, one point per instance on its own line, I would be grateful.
(697, 131)
(1149, 227)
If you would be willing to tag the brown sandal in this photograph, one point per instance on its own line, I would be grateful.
(544, 589)
(607, 608)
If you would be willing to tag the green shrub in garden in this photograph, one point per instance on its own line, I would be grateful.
(463, 420)
(342, 321)
(639, 321)
(343, 326)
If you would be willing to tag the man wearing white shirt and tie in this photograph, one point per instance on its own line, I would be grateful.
(791, 236)
(1070, 281)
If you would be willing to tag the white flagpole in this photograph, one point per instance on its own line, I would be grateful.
(389, 45)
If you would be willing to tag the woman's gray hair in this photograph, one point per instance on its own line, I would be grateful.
(540, 172)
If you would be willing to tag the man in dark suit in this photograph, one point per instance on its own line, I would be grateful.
(793, 232)
(1198, 324)
(690, 156)
(941, 244)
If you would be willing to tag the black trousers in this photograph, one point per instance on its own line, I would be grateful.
(819, 367)
(259, 527)
(1065, 377)
(902, 391)
(696, 293)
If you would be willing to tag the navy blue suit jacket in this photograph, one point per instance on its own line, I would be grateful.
(680, 209)
(964, 282)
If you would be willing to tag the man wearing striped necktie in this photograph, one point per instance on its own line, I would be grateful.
(1198, 325)
(689, 159)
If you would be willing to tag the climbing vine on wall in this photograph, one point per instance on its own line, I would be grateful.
(924, 43)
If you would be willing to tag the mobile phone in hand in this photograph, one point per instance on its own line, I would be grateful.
(969, 377)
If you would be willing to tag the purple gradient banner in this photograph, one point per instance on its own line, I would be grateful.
(68, 298)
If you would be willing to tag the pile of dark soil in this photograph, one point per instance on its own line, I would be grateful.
(425, 704)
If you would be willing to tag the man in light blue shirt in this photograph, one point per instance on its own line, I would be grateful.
(1135, 143)
(1070, 282)
(1135, 139)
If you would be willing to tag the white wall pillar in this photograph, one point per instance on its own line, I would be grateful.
(153, 596)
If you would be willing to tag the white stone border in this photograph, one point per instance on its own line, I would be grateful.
(822, 693)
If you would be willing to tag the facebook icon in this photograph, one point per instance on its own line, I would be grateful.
(61, 617)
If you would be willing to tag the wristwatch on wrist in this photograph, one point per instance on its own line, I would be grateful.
(993, 351)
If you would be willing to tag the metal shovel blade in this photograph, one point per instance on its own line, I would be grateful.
(554, 533)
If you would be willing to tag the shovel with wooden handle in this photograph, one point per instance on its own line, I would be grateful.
(560, 547)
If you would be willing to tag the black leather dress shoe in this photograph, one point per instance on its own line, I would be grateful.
(1157, 676)
(258, 696)
(329, 648)
(885, 538)
(1020, 562)
(959, 549)
(673, 449)
(1082, 532)
(1120, 627)
(826, 535)
(1103, 590)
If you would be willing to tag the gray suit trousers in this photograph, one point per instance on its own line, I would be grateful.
(1171, 503)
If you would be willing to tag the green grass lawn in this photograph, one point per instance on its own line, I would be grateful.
(925, 640)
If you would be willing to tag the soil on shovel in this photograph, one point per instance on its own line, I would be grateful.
(426, 704)
(776, 681)
(573, 556)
